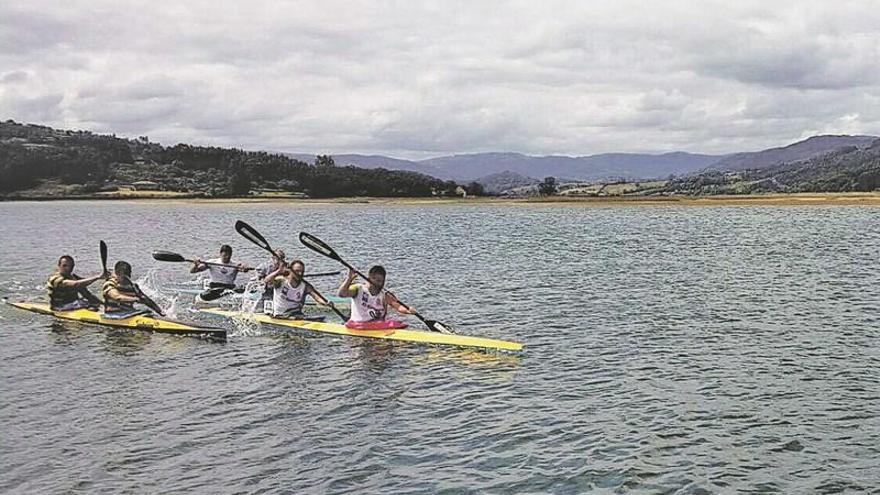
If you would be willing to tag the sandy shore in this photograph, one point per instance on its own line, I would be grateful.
(794, 199)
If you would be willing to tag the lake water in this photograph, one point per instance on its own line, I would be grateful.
(668, 349)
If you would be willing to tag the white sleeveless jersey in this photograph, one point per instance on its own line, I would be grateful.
(367, 307)
(222, 274)
(287, 298)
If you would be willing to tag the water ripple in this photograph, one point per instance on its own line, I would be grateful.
(668, 350)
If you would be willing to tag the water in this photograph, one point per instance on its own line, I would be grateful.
(668, 350)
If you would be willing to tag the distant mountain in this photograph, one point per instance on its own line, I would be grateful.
(505, 181)
(802, 150)
(595, 167)
(607, 166)
(467, 167)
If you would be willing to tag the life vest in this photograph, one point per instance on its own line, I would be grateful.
(59, 295)
(365, 306)
(126, 289)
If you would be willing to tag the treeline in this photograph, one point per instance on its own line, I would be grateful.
(31, 155)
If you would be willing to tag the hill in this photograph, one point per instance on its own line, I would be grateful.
(846, 169)
(801, 150)
(39, 161)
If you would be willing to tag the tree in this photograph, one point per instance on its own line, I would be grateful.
(324, 161)
(548, 187)
(239, 182)
(475, 189)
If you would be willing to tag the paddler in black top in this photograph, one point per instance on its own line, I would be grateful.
(67, 291)
(222, 277)
(120, 293)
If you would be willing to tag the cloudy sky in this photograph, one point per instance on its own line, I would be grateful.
(417, 79)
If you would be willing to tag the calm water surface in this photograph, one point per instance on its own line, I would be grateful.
(668, 350)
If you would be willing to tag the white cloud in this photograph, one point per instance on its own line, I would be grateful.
(414, 79)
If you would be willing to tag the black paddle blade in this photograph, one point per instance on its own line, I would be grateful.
(167, 256)
(103, 247)
(436, 326)
(318, 246)
(252, 235)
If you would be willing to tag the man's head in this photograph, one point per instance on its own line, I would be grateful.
(225, 253)
(122, 269)
(297, 269)
(65, 265)
(376, 276)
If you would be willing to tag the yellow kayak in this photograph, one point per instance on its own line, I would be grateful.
(399, 334)
(138, 322)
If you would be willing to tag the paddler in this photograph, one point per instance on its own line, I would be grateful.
(67, 291)
(370, 301)
(222, 273)
(274, 262)
(289, 291)
(120, 293)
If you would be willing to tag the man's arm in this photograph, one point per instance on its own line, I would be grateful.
(392, 301)
(345, 287)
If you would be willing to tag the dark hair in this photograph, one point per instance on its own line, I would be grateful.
(294, 262)
(377, 269)
(122, 268)
(66, 257)
(226, 248)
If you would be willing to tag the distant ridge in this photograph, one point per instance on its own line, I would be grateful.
(801, 150)
(474, 166)
(606, 166)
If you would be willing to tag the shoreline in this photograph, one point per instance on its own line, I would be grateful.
(777, 199)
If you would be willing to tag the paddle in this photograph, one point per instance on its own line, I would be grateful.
(321, 247)
(103, 246)
(176, 258)
(252, 235)
(146, 300)
(143, 297)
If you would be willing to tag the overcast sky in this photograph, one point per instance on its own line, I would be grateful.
(417, 79)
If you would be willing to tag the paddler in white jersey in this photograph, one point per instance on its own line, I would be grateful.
(275, 262)
(289, 291)
(370, 301)
(222, 277)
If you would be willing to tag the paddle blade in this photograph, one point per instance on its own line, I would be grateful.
(168, 256)
(436, 326)
(252, 235)
(318, 246)
(103, 247)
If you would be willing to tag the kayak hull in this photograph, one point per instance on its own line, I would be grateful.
(135, 322)
(385, 334)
